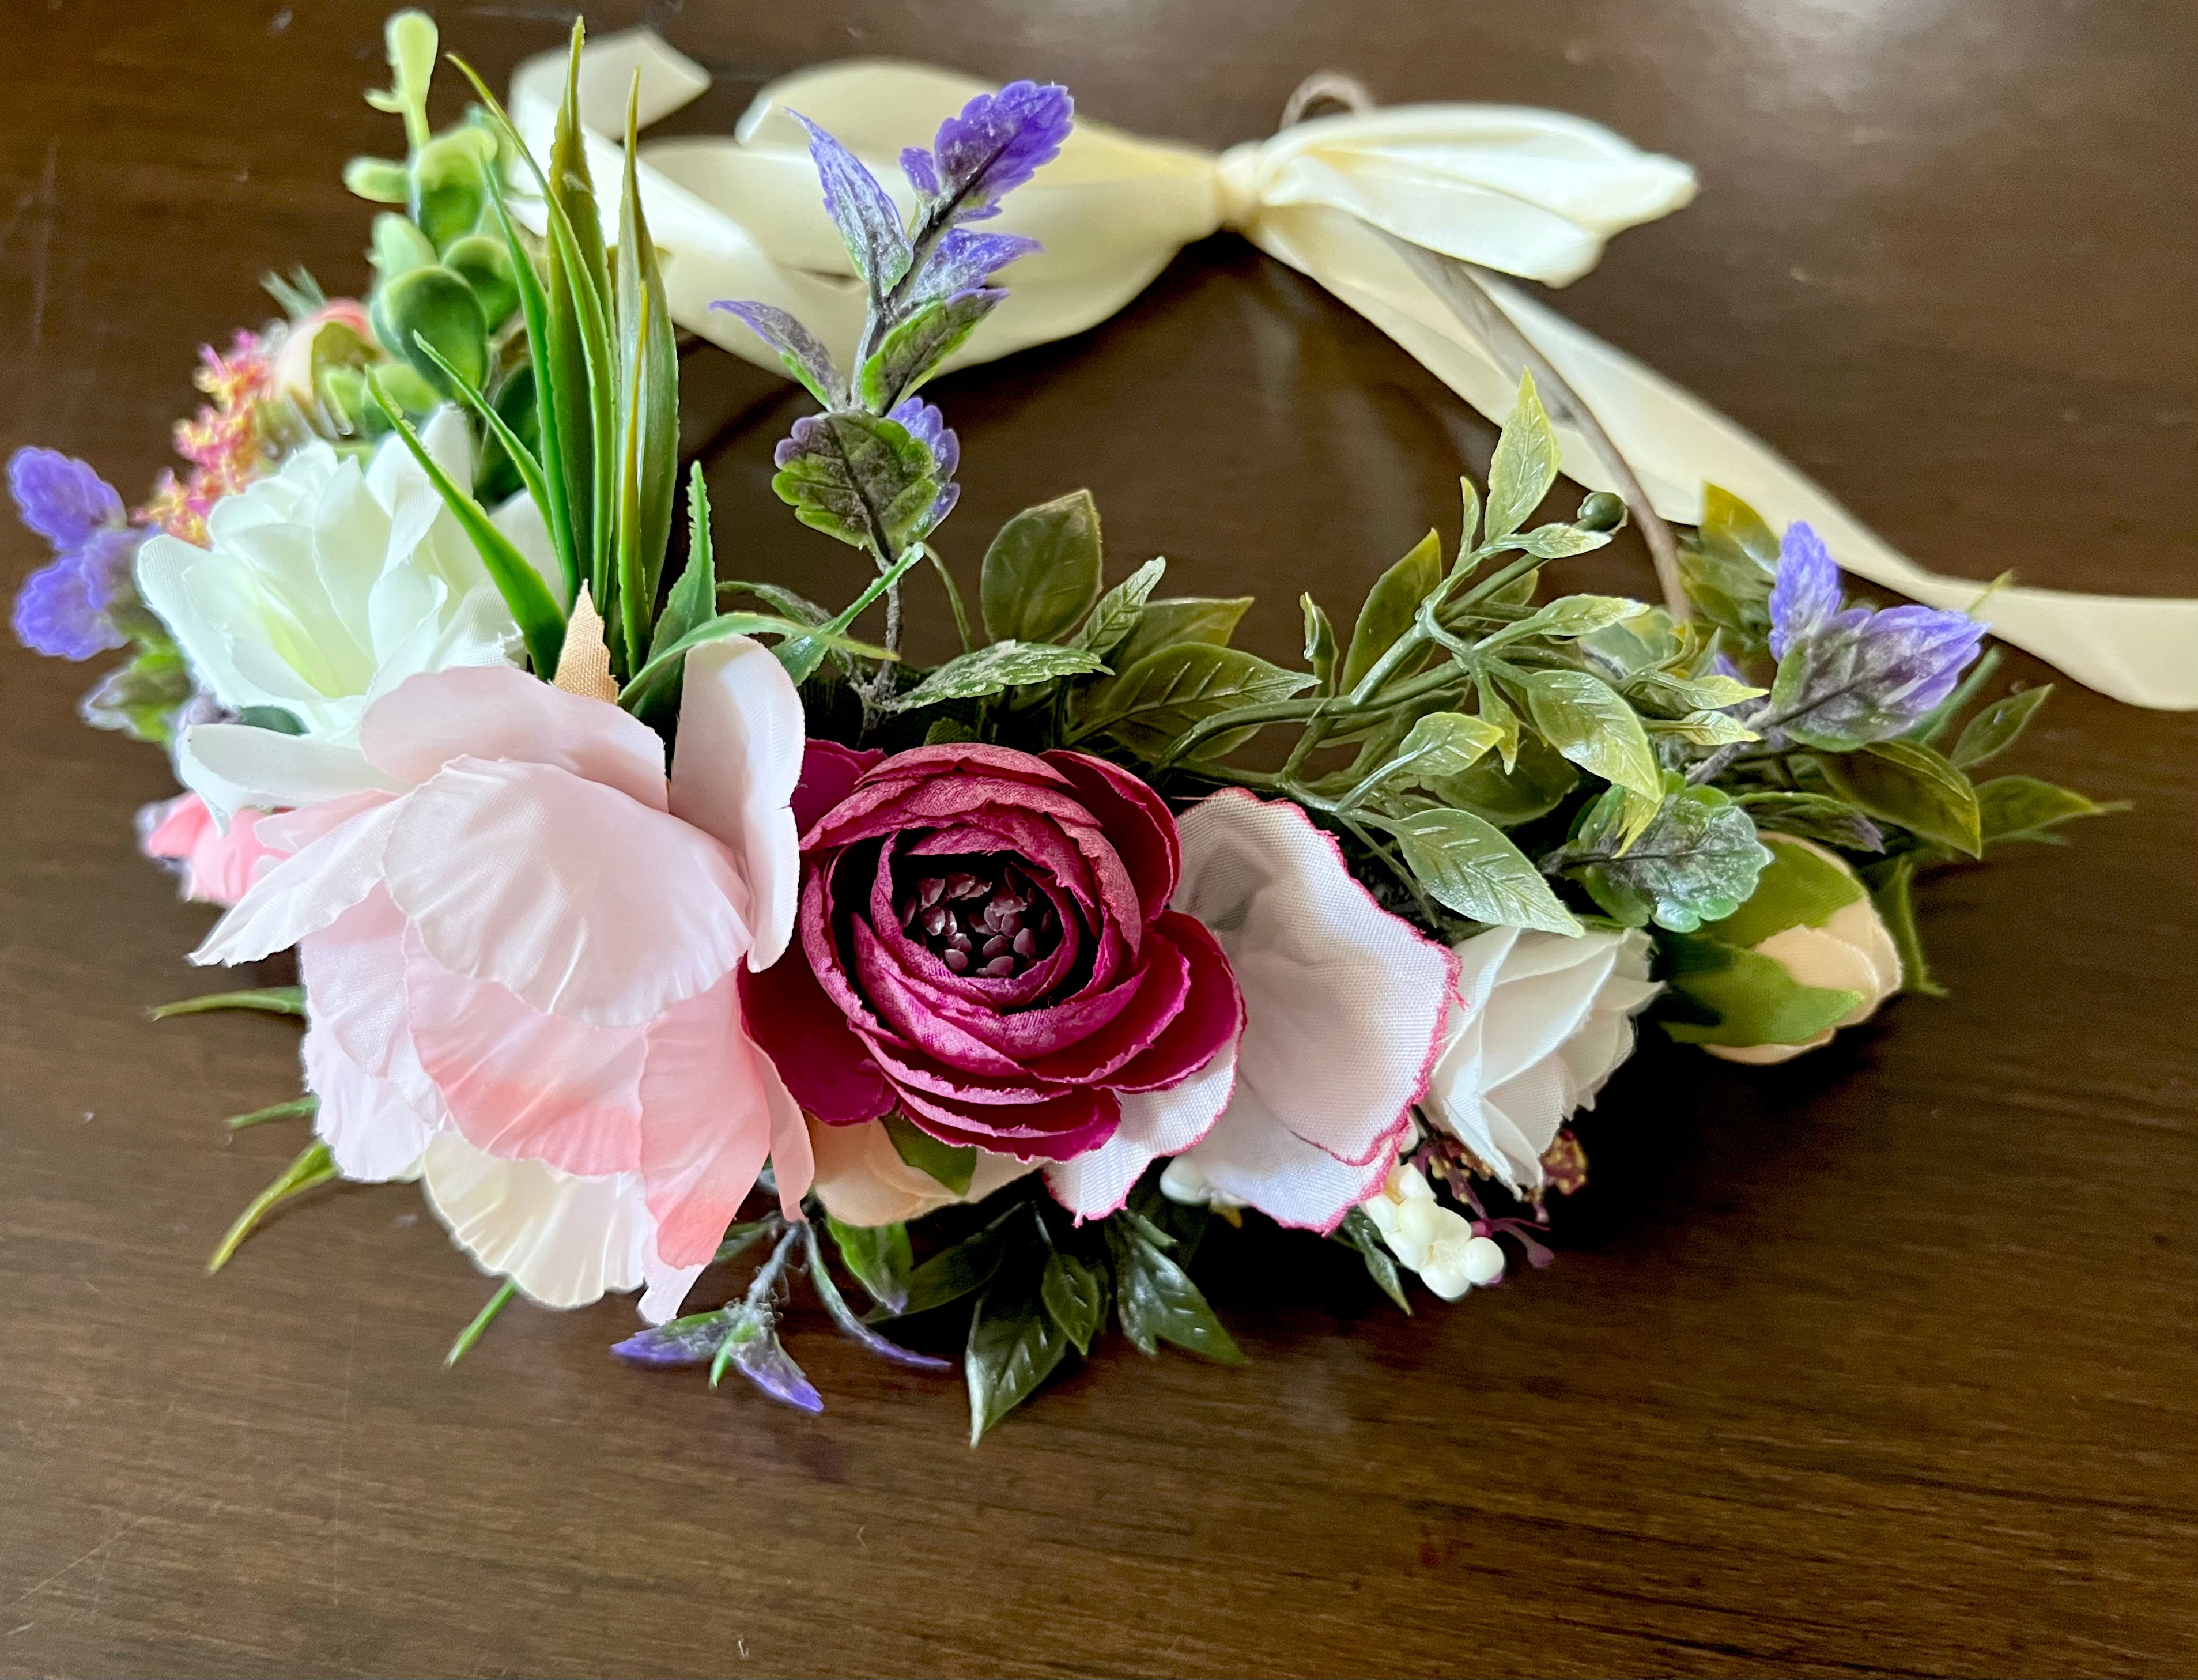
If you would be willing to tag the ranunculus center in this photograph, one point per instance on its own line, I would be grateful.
(978, 915)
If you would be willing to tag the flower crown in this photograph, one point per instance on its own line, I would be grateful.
(615, 907)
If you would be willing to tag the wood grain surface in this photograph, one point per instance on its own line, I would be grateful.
(1881, 1362)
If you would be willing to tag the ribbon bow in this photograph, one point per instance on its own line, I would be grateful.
(1350, 200)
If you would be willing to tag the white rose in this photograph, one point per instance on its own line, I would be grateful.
(323, 587)
(1537, 1023)
(1847, 949)
(1429, 1238)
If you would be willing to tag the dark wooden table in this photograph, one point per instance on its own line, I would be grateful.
(1880, 1363)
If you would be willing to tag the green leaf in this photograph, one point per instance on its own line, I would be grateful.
(1895, 899)
(648, 407)
(1703, 729)
(879, 1258)
(1494, 709)
(541, 622)
(801, 655)
(1014, 1346)
(376, 180)
(1320, 649)
(1043, 572)
(274, 1000)
(1668, 693)
(553, 408)
(1075, 1296)
(1157, 1302)
(1728, 567)
(951, 1166)
(859, 478)
(1003, 665)
(1164, 693)
(1525, 464)
(948, 732)
(639, 692)
(693, 600)
(1585, 718)
(1818, 816)
(481, 261)
(1696, 861)
(521, 457)
(1559, 540)
(911, 352)
(2023, 808)
(1999, 727)
(449, 185)
(1120, 611)
(434, 307)
(1359, 1232)
(1179, 619)
(953, 1273)
(1906, 782)
(314, 1167)
(1755, 1001)
(1536, 784)
(408, 37)
(1569, 615)
(1800, 887)
(1466, 863)
(1390, 607)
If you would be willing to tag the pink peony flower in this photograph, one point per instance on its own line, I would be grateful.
(1344, 1007)
(217, 868)
(987, 946)
(530, 948)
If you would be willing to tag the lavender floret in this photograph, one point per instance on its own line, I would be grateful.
(64, 608)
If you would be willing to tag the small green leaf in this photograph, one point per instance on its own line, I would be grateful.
(860, 477)
(1536, 784)
(1668, 693)
(1568, 616)
(1390, 607)
(1466, 863)
(1157, 1302)
(953, 1273)
(912, 351)
(1559, 541)
(1014, 1346)
(1525, 465)
(274, 1000)
(1320, 649)
(1439, 746)
(1003, 665)
(1359, 1232)
(1818, 816)
(433, 305)
(2023, 808)
(1043, 571)
(1178, 618)
(1999, 727)
(1895, 899)
(376, 180)
(638, 690)
(1585, 718)
(1728, 567)
(1697, 860)
(948, 732)
(1906, 782)
(1120, 611)
(693, 600)
(1164, 693)
(879, 1258)
(449, 185)
(1800, 887)
(1075, 1296)
(1754, 1000)
(950, 1165)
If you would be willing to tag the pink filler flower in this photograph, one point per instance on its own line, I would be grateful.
(532, 942)
(217, 868)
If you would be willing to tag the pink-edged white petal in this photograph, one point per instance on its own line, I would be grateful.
(740, 755)
(1344, 1003)
(234, 766)
(1157, 1123)
(369, 1123)
(494, 712)
(564, 1240)
(1252, 1158)
(306, 892)
(713, 1109)
(516, 1082)
(575, 899)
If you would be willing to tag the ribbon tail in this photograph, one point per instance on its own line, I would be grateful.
(2141, 650)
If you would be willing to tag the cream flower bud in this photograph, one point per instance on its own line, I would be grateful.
(1430, 1239)
(1184, 1180)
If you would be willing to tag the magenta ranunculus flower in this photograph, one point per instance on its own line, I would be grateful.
(986, 946)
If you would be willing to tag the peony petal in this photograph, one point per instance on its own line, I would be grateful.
(733, 775)
(1137, 822)
(829, 774)
(295, 830)
(1344, 1003)
(713, 1107)
(581, 900)
(1252, 1157)
(564, 1240)
(522, 1084)
(494, 712)
(370, 1128)
(1153, 1124)
(1057, 1129)
(1211, 1021)
(353, 972)
(824, 1064)
(306, 893)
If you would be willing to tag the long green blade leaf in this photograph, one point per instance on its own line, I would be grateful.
(659, 666)
(552, 402)
(529, 469)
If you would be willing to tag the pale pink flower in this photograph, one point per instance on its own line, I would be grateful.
(1344, 1006)
(524, 941)
(217, 868)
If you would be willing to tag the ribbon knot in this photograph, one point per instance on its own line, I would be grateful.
(1531, 194)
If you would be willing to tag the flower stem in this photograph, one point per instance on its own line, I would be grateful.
(482, 1320)
(314, 1167)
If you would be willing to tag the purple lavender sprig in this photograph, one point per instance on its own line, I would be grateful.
(1848, 677)
(65, 608)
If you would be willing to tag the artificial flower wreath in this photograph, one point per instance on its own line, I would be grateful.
(615, 912)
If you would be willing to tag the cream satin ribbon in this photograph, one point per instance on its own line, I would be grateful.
(1533, 194)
